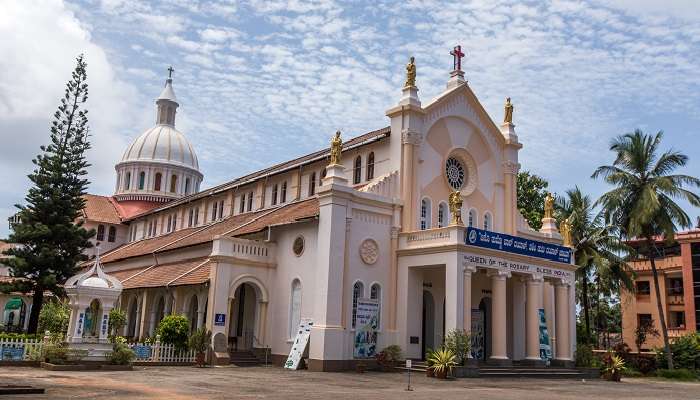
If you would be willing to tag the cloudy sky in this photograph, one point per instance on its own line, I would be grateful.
(260, 82)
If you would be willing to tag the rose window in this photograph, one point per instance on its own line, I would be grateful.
(454, 171)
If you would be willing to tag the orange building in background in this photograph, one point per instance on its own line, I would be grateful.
(678, 265)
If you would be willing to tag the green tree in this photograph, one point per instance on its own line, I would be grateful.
(51, 241)
(117, 320)
(175, 330)
(53, 317)
(532, 190)
(597, 249)
(643, 201)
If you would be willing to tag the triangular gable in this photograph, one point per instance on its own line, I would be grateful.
(462, 97)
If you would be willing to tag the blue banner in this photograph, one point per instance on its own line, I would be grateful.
(513, 244)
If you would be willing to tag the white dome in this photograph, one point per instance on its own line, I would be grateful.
(95, 281)
(165, 144)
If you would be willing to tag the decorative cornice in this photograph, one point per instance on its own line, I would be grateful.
(510, 167)
(410, 136)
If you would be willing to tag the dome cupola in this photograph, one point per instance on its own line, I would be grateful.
(160, 164)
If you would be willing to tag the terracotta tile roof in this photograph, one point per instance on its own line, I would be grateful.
(188, 272)
(100, 209)
(320, 154)
(232, 226)
(145, 246)
(127, 273)
(129, 208)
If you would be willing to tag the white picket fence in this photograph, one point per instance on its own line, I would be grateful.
(161, 353)
(19, 349)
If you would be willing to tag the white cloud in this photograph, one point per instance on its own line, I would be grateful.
(36, 64)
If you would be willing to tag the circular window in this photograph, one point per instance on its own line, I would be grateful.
(298, 246)
(455, 173)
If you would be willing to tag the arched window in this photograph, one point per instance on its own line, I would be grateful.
(100, 233)
(127, 181)
(358, 290)
(112, 235)
(323, 175)
(442, 215)
(193, 313)
(357, 171)
(375, 293)
(142, 180)
(273, 199)
(214, 209)
(472, 218)
(250, 201)
(370, 166)
(425, 214)
(187, 185)
(487, 221)
(190, 219)
(196, 216)
(312, 184)
(156, 185)
(173, 183)
(241, 208)
(174, 226)
(295, 308)
(283, 193)
(221, 209)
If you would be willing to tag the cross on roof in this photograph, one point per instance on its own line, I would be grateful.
(457, 58)
(170, 72)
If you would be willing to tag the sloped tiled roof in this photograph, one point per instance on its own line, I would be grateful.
(232, 226)
(100, 209)
(188, 272)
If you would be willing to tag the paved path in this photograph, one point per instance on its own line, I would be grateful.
(276, 383)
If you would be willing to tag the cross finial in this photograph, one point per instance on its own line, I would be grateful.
(170, 72)
(457, 58)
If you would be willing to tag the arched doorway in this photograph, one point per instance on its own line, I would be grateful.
(133, 323)
(244, 315)
(192, 313)
(481, 331)
(428, 323)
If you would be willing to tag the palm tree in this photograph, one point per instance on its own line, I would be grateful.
(597, 248)
(642, 204)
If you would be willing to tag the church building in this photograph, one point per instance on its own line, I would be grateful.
(418, 218)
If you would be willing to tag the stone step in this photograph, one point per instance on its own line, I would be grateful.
(243, 359)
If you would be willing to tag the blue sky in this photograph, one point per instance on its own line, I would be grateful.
(260, 82)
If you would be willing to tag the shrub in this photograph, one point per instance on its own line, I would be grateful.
(645, 365)
(200, 340)
(442, 362)
(584, 356)
(681, 374)
(389, 356)
(174, 329)
(685, 350)
(117, 319)
(613, 367)
(623, 351)
(53, 317)
(20, 336)
(121, 353)
(460, 343)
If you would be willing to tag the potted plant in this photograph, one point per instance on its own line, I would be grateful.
(613, 368)
(442, 362)
(389, 357)
(199, 343)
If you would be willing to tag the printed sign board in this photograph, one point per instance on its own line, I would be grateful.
(142, 352)
(366, 326)
(219, 319)
(513, 244)
(545, 348)
(477, 334)
(8, 353)
(515, 266)
(301, 340)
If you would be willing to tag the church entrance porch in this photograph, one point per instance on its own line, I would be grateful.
(243, 317)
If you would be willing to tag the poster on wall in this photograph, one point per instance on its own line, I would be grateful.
(477, 334)
(301, 340)
(366, 325)
(545, 348)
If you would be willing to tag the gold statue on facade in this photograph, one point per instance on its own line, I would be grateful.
(548, 206)
(336, 149)
(411, 73)
(455, 201)
(565, 231)
(508, 118)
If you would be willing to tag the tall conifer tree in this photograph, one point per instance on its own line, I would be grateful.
(51, 237)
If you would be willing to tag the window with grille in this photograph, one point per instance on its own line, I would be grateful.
(357, 173)
(357, 292)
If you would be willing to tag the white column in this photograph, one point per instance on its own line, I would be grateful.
(532, 320)
(467, 300)
(561, 298)
(104, 324)
(454, 293)
(499, 348)
(79, 315)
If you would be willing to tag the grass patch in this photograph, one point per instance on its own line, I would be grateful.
(677, 374)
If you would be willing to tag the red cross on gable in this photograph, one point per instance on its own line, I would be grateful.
(457, 58)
